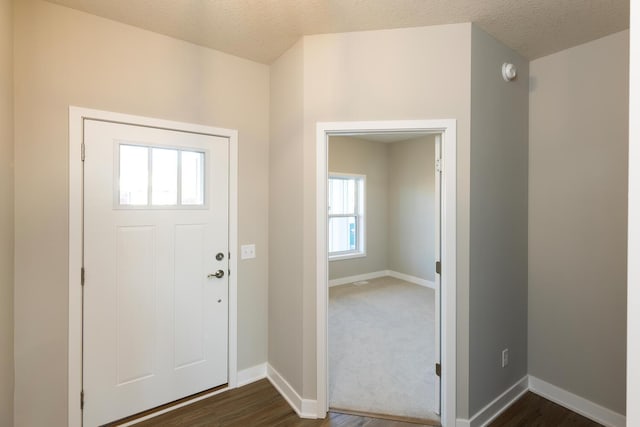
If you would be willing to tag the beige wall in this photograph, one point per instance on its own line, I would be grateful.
(64, 57)
(577, 219)
(357, 156)
(285, 216)
(412, 207)
(414, 73)
(425, 74)
(498, 246)
(6, 213)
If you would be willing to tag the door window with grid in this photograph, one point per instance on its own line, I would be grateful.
(346, 216)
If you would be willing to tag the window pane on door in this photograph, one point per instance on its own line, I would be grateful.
(164, 179)
(342, 234)
(192, 178)
(134, 175)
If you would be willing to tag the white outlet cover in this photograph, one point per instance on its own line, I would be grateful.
(505, 357)
(247, 251)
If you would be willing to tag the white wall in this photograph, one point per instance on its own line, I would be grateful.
(412, 207)
(357, 156)
(633, 283)
(6, 213)
(498, 237)
(578, 219)
(64, 57)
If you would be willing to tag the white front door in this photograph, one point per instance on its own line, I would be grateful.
(156, 249)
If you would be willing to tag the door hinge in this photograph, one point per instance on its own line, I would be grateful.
(82, 276)
(82, 152)
(438, 267)
(438, 165)
(82, 399)
(438, 369)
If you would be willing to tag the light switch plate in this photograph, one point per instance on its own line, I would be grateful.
(247, 251)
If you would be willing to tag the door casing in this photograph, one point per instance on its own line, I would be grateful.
(447, 130)
(77, 116)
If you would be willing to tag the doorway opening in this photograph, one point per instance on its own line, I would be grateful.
(383, 235)
(358, 282)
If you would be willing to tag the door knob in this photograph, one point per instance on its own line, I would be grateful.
(219, 274)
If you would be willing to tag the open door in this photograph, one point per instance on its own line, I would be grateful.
(437, 281)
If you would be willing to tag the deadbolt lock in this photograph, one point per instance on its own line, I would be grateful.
(220, 256)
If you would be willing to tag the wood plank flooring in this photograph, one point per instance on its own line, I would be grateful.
(535, 411)
(259, 404)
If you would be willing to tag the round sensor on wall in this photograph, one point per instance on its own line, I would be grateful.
(509, 72)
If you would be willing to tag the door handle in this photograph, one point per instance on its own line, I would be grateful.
(219, 274)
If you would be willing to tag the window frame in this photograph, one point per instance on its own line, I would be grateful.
(360, 214)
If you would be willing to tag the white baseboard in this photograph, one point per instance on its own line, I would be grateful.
(576, 403)
(252, 374)
(382, 273)
(487, 414)
(549, 391)
(357, 278)
(305, 408)
(412, 279)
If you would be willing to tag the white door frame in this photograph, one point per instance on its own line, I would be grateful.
(447, 128)
(77, 116)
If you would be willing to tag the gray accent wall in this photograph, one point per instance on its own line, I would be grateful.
(578, 219)
(357, 156)
(498, 235)
(65, 57)
(412, 207)
(6, 213)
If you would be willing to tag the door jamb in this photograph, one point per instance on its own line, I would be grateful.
(447, 128)
(77, 116)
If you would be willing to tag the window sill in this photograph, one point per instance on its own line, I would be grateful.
(347, 256)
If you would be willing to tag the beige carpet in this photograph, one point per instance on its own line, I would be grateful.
(381, 348)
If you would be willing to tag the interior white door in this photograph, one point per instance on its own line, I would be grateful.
(437, 281)
(155, 295)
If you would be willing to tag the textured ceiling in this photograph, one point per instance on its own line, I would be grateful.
(262, 30)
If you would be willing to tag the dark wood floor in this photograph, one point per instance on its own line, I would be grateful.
(259, 404)
(535, 411)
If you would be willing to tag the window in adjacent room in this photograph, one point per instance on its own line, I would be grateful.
(346, 216)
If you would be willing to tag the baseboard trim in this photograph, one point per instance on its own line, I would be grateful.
(252, 374)
(573, 402)
(382, 273)
(305, 408)
(358, 277)
(489, 413)
(578, 404)
(412, 279)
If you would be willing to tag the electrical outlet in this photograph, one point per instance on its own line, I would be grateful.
(505, 357)
(247, 251)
